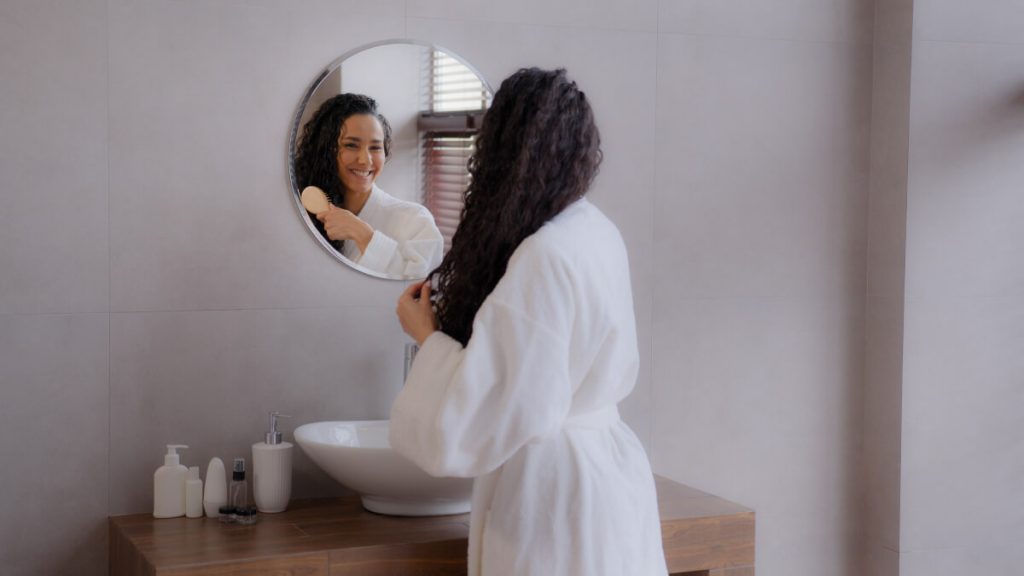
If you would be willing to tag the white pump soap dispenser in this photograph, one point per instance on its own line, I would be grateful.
(169, 485)
(272, 469)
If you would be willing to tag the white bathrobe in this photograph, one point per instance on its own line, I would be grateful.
(406, 242)
(563, 486)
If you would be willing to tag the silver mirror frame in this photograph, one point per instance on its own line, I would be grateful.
(294, 132)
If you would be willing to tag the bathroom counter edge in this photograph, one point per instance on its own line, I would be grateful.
(337, 537)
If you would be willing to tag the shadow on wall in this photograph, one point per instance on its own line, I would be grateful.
(87, 556)
(1013, 114)
(985, 135)
(1017, 104)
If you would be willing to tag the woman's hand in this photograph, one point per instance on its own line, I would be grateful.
(416, 312)
(340, 224)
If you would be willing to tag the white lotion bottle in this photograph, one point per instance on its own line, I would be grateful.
(272, 469)
(215, 494)
(193, 494)
(169, 485)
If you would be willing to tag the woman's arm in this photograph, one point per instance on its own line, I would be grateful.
(466, 410)
(413, 253)
(340, 224)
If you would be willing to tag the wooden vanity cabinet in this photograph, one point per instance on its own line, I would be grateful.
(703, 535)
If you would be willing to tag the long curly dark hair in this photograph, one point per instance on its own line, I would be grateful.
(316, 155)
(538, 150)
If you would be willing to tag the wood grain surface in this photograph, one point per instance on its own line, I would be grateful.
(703, 535)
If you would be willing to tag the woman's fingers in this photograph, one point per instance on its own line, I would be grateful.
(425, 293)
(339, 224)
(412, 291)
(415, 311)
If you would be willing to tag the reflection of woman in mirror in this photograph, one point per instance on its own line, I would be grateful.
(532, 347)
(342, 151)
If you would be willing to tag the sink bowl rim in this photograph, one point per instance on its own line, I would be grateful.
(306, 429)
(426, 495)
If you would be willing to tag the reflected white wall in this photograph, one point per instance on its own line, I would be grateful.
(394, 76)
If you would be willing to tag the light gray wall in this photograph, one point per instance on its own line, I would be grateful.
(760, 224)
(54, 288)
(944, 444)
(887, 223)
(962, 503)
(163, 288)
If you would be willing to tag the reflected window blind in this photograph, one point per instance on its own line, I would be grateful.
(453, 86)
(445, 177)
(456, 101)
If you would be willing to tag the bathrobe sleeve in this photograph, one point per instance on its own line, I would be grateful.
(413, 255)
(464, 411)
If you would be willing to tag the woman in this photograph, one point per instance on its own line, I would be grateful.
(532, 346)
(342, 151)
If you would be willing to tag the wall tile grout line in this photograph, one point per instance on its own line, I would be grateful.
(652, 425)
(109, 276)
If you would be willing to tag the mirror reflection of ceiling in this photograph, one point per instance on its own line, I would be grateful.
(434, 102)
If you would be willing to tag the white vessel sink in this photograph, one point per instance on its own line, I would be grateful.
(357, 454)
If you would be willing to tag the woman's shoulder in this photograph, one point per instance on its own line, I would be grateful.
(579, 231)
(579, 252)
(392, 204)
(581, 224)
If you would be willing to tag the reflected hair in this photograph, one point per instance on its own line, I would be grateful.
(537, 152)
(316, 155)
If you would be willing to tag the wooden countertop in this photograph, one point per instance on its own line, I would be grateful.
(703, 534)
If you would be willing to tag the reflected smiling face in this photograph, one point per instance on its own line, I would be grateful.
(360, 152)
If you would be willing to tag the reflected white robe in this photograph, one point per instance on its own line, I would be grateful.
(406, 242)
(563, 486)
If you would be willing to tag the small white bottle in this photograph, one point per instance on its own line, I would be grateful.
(215, 493)
(193, 494)
(169, 485)
(272, 469)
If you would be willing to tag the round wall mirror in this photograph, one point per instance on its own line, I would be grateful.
(378, 155)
